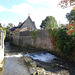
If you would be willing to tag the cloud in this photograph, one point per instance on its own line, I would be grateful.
(5, 22)
(60, 14)
(36, 1)
(50, 8)
(39, 14)
(43, 1)
(2, 8)
(46, 8)
(21, 8)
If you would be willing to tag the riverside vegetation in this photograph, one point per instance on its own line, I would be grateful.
(63, 43)
(62, 37)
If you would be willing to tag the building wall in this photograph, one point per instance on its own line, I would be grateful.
(42, 40)
(29, 24)
(1, 51)
(15, 38)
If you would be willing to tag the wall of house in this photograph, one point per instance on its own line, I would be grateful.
(42, 40)
(1, 51)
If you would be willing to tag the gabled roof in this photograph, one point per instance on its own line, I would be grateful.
(14, 28)
(27, 23)
(17, 30)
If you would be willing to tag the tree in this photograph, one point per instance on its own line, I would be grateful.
(66, 3)
(49, 22)
(62, 26)
(10, 25)
(71, 16)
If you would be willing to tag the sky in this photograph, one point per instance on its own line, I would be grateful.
(15, 11)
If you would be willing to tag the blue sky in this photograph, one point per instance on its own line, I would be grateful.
(15, 11)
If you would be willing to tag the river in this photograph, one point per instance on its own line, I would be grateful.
(14, 62)
(15, 65)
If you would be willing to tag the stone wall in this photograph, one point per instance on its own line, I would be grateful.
(35, 68)
(43, 40)
(15, 40)
(24, 38)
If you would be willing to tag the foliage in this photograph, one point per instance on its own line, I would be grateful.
(64, 37)
(62, 26)
(49, 22)
(70, 28)
(7, 30)
(52, 36)
(17, 29)
(10, 25)
(4, 31)
(71, 16)
(66, 3)
(34, 33)
(63, 41)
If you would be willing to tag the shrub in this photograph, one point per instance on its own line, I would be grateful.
(63, 41)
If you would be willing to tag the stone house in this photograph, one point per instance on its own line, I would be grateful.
(27, 25)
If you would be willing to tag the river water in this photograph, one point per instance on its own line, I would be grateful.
(15, 65)
(14, 61)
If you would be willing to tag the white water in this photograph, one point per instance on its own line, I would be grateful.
(14, 55)
(44, 57)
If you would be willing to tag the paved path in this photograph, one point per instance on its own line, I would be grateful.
(15, 66)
